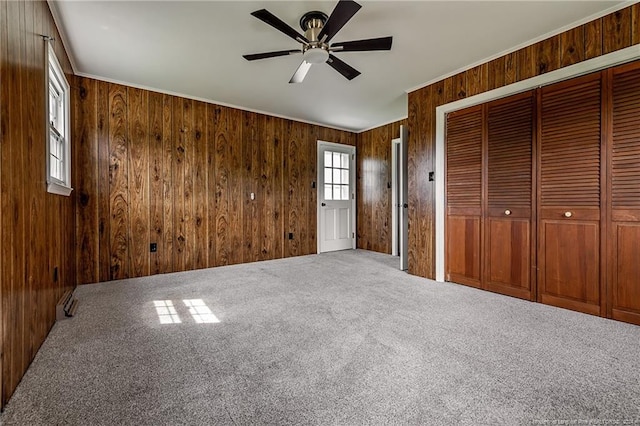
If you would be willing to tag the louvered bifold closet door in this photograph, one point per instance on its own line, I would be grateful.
(464, 196)
(624, 240)
(508, 210)
(569, 194)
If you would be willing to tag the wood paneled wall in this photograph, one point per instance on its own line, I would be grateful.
(36, 228)
(153, 168)
(604, 35)
(373, 193)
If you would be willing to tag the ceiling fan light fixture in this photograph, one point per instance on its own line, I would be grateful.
(316, 55)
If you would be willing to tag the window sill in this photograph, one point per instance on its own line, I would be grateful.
(56, 188)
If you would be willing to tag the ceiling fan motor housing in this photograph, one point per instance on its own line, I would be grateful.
(316, 52)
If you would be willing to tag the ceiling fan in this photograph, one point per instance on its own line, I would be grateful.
(319, 29)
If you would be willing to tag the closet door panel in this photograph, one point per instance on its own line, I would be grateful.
(571, 259)
(463, 249)
(624, 187)
(509, 257)
(464, 197)
(508, 208)
(569, 161)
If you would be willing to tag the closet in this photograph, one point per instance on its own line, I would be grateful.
(624, 189)
(542, 195)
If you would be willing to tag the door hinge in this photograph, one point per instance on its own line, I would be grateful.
(353, 235)
(353, 196)
(353, 156)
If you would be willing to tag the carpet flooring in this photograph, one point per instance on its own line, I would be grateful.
(339, 338)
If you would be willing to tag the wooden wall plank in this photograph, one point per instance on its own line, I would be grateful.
(572, 46)
(4, 125)
(167, 246)
(250, 159)
(119, 182)
(86, 179)
(383, 211)
(414, 121)
(212, 117)
(35, 249)
(104, 179)
(156, 187)
(496, 73)
(426, 190)
(292, 160)
(18, 283)
(235, 236)
(272, 237)
(361, 207)
(200, 187)
(138, 158)
(593, 39)
(548, 55)
(279, 208)
(229, 186)
(510, 68)
(221, 181)
(188, 218)
(477, 79)
(617, 30)
(526, 65)
(635, 24)
(178, 184)
(311, 138)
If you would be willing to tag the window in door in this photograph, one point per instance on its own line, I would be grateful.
(336, 176)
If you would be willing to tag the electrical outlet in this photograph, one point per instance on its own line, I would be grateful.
(154, 247)
(432, 176)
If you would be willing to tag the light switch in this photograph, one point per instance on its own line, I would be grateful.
(253, 196)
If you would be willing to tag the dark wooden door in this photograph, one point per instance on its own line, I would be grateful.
(624, 187)
(569, 179)
(509, 193)
(464, 196)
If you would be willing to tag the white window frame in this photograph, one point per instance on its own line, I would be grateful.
(54, 70)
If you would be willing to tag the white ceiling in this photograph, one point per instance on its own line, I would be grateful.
(195, 49)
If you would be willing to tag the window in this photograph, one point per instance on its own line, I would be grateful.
(58, 137)
(336, 176)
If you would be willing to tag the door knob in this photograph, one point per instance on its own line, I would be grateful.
(323, 204)
(507, 212)
(568, 214)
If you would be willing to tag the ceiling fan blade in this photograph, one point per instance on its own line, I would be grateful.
(269, 18)
(301, 72)
(382, 43)
(343, 68)
(344, 10)
(256, 56)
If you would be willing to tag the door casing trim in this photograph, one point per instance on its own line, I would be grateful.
(352, 183)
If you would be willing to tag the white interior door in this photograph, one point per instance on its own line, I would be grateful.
(404, 199)
(400, 210)
(336, 197)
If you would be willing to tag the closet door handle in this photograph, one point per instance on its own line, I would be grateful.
(507, 212)
(568, 214)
